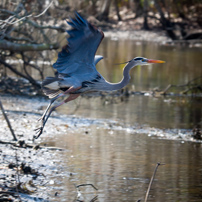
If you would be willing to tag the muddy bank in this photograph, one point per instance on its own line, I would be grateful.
(29, 174)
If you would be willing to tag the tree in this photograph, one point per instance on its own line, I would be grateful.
(23, 37)
(104, 14)
(167, 25)
(145, 24)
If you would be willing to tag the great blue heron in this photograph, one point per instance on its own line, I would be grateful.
(76, 71)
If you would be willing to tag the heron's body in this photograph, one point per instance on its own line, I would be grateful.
(76, 67)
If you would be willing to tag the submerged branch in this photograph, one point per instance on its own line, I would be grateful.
(151, 181)
(191, 86)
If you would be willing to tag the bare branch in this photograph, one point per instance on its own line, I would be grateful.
(10, 38)
(22, 18)
(7, 45)
(152, 179)
(8, 122)
(36, 16)
(20, 74)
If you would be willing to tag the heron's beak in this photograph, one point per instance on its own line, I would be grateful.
(155, 61)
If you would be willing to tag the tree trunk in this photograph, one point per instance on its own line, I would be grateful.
(105, 10)
(145, 24)
(165, 22)
(116, 2)
(137, 8)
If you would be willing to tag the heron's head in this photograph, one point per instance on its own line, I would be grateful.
(144, 61)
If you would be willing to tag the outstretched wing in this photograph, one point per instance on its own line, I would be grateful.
(80, 50)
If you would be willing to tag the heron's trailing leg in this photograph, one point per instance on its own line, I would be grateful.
(71, 89)
(44, 118)
(70, 98)
(48, 107)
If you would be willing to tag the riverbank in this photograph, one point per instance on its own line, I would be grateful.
(131, 28)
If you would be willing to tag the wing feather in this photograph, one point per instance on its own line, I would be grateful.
(80, 50)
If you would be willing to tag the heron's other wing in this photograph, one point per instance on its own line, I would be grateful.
(83, 42)
(97, 59)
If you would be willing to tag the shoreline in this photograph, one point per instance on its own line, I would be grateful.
(138, 35)
(159, 37)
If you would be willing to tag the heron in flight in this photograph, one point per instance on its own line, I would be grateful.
(76, 72)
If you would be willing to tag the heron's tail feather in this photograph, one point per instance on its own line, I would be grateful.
(51, 87)
(51, 93)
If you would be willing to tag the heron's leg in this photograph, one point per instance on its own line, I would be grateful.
(71, 89)
(48, 107)
(70, 98)
(44, 118)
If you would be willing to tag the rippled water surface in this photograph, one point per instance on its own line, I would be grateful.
(120, 164)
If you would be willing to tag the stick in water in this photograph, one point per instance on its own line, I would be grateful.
(152, 179)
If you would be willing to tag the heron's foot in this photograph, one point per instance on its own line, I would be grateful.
(39, 131)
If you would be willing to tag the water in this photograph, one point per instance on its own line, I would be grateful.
(163, 113)
(120, 163)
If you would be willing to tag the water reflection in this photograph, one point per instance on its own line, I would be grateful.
(121, 164)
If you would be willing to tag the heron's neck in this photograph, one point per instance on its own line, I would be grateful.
(124, 81)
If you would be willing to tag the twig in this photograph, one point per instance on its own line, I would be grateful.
(8, 122)
(79, 193)
(17, 176)
(151, 181)
(94, 199)
(34, 146)
(36, 16)
(59, 28)
(82, 185)
(24, 17)
(188, 84)
(20, 74)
